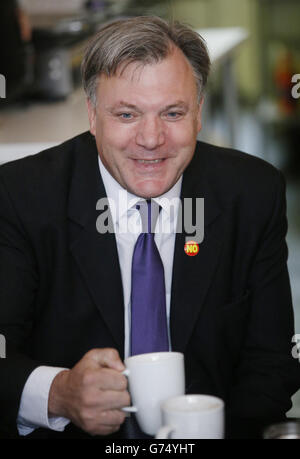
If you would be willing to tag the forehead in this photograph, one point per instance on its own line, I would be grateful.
(171, 76)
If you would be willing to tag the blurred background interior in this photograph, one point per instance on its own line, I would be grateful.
(252, 101)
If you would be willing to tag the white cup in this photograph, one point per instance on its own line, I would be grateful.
(192, 416)
(152, 378)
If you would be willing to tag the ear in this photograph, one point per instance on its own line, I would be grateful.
(92, 116)
(199, 115)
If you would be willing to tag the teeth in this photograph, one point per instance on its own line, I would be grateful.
(151, 161)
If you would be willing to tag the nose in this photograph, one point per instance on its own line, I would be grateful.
(150, 134)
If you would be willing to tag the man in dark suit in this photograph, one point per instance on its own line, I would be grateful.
(66, 287)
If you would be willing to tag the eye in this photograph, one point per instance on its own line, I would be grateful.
(174, 115)
(125, 116)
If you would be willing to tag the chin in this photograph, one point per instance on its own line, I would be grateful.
(147, 192)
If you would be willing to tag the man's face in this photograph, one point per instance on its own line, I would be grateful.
(146, 124)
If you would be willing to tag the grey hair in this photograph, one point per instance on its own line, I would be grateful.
(142, 39)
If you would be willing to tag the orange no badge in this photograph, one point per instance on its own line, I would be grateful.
(191, 248)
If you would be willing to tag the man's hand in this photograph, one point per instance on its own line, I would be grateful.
(92, 393)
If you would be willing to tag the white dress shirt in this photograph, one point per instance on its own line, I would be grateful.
(33, 411)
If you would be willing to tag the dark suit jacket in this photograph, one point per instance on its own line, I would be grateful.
(231, 311)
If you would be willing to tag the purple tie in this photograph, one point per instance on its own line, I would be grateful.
(149, 331)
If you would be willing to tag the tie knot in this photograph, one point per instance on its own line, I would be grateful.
(149, 211)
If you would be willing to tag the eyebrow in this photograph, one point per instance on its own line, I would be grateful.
(121, 104)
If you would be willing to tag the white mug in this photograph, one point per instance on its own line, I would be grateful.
(192, 416)
(153, 378)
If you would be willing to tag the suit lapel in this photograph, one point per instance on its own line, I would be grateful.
(96, 254)
(192, 276)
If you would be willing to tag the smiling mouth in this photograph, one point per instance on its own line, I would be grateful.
(149, 161)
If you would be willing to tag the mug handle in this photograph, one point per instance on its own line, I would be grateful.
(128, 409)
(164, 432)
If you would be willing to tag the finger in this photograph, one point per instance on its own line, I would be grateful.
(112, 418)
(109, 379)
(103, 429)
(106, 357)
(113, 400)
